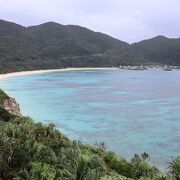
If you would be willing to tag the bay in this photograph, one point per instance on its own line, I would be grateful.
(131, 111)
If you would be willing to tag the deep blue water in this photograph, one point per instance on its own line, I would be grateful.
(131, 111)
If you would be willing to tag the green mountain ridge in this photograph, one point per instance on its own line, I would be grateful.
(52, 45)
(159, 49)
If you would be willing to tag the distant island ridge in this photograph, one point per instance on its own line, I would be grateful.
(55, 46)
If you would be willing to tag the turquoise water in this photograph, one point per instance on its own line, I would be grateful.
(131, 111)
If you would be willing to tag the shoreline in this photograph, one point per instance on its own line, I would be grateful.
(24, 73)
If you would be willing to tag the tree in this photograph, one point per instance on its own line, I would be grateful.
(174, 167)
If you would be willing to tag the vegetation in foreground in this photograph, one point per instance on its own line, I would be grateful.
(35, 151)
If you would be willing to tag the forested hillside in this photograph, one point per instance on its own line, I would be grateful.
(52, 45)
(160, 49)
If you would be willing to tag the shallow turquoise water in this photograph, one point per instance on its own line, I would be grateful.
(131, 111)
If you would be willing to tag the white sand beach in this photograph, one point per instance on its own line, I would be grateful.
(23, 73)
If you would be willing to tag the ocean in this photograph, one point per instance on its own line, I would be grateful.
(131, 111)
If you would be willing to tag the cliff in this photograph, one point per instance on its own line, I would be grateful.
(9, 104)
(12, 106)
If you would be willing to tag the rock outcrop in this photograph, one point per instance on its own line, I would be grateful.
(12, 106)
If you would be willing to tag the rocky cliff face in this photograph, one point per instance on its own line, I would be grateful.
(12, 106)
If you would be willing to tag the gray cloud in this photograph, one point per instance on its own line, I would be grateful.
(128, 20)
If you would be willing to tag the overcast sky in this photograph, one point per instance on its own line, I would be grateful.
(128, 20)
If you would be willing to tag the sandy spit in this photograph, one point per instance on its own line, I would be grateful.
(24, 73)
